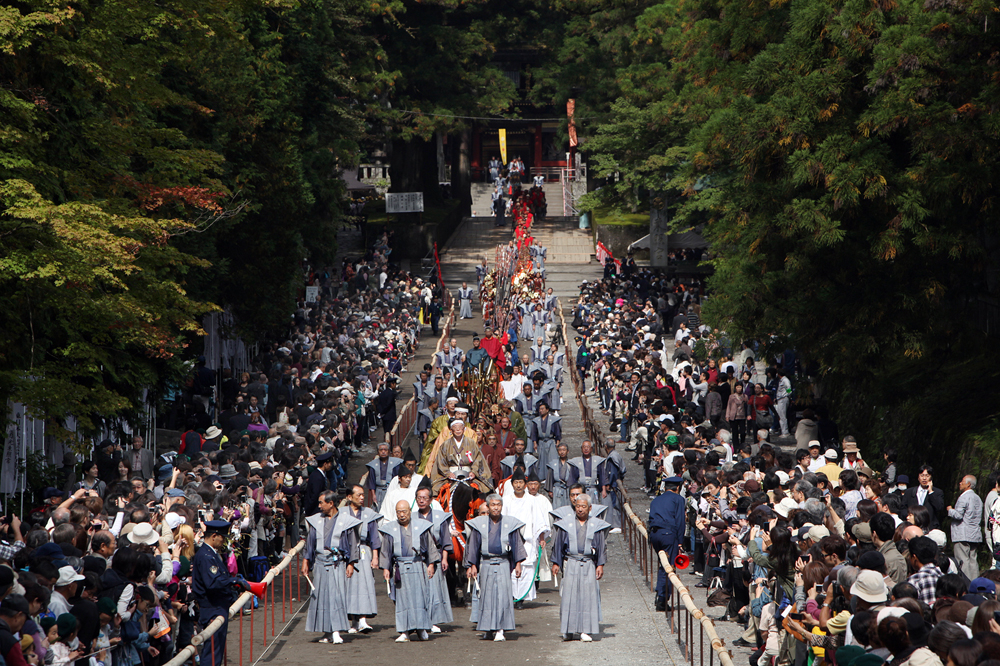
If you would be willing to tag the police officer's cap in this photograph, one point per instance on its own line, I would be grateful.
(673, 480)
(323, 457)
(216, 526)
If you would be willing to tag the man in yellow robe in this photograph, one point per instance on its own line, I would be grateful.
(459, 455)
(437, 432)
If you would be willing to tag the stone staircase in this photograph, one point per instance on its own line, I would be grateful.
(482, 198)
(566, 243)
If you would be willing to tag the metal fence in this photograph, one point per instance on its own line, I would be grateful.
(684, 613)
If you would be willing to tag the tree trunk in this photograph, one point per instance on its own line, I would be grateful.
(659, 227)
(429, 171)
(461, 170)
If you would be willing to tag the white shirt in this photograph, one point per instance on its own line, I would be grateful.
(784, 388)
(513, 387)
(58, 603)
(668, 461)
(858, 462)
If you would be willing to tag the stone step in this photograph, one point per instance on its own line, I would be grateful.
(482, 198)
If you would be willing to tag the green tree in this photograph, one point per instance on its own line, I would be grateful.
(156, 159)
(842, 156)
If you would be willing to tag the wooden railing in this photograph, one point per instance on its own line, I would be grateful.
(684, 612)
(408, 414)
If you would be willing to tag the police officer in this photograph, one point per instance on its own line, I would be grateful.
(214, 589)
(666, 531)
(583, 362)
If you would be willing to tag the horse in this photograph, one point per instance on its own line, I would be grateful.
(461, 499)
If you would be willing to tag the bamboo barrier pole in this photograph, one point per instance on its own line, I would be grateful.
(708, 626)
(410, 407)
(206, 634)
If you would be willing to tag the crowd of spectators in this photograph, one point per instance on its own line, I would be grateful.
(102, 569)
(818, 556)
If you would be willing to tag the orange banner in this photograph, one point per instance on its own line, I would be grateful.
(570, 110)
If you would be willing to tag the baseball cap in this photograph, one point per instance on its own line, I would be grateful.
(67, 575)
(15, 603)
(981, 585)
(817, 532)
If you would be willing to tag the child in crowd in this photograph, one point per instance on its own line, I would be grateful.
(64, 646)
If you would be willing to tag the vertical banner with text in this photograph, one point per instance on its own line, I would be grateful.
(503, 146)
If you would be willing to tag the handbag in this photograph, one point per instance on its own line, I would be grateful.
(717, 595)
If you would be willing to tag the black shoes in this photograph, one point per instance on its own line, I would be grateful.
(661, 604)
(739, 642)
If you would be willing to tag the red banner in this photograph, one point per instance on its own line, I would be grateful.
(570, 113)
(603, 253)
(437, 262)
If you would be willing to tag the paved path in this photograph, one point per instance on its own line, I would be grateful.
(632, 633)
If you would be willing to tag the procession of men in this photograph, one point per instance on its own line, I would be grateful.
(465, 530)
(516, 542)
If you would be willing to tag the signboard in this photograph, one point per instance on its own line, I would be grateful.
(404, 202)
(503, 146)
(312, 294)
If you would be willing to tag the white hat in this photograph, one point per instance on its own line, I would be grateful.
(451, 399)
(785, 506)
(830, 454)
(870, 587)
(174, 520)
(891, 611)
(938, 537)
(212, 432)
(782, 477)
(67, 575)
(817, 532)
(814, 443)
(143, 533)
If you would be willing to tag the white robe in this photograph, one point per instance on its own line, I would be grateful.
(536, 527)
(513, 387)
(393, 493)
(545, 567)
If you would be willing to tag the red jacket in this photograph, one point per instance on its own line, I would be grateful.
(492, 347)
